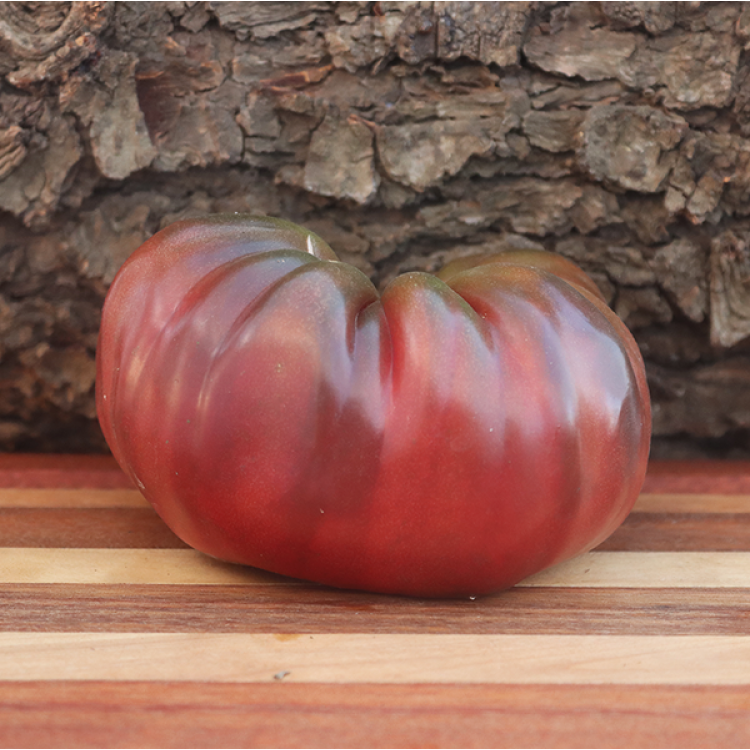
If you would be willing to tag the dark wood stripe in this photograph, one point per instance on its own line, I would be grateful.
(686, 532)
(697, 477)
(302, 608)
(154, 714)
(85, 527)
(42, 470)
(141, 528)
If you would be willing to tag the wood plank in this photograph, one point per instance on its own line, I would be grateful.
(52, 497)
(649, 570)
(301, 608)
(691, 503)
(142, 714)
(74, 471)
(122, 518)
(664, 532)
(141, 527)
(124, 566)
(85, 497)
(188, 567)
(53, 471)
(89, 527)
(698, 477)
(378, 658)
(645, 641)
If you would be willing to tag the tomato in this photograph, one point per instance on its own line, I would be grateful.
(448, 437)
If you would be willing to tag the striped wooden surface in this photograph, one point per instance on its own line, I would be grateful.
(114, 634)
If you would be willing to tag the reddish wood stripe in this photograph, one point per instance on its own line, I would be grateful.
(141, 714)
(283, 714)
(90, 527)
(696, 477)
(663, 532)
(305, 608)
(142, 528)
(92, 497)
(42, 470)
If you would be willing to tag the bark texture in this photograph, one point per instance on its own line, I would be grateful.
(615, 133)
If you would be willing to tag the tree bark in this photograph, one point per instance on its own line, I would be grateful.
(405, 134)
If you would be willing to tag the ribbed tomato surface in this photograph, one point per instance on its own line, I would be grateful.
(448, 437)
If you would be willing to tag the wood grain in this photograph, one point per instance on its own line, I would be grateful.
(59, 471)
(136, 714)
(113, 634)
(302, 608)
(124, 566)
(102, 497)
(138, 526)
(188, 567)
(344, 658)
(50, 471)
(49, 497)
(649, 570)
(654, 502)
(89, 527)
(698, 477)
(662, 532)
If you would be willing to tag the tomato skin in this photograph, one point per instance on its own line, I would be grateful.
(448, 437)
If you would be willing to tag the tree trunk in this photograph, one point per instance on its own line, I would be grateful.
(405, 134)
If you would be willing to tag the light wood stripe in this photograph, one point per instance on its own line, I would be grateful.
(124, 566)
(130, 498)
(375, 658)
(679, 503)
(71, 498)
(649, 570)
(188, 567)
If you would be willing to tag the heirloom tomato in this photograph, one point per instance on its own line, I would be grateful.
(449, 436)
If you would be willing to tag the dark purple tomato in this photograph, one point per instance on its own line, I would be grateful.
(449, 436)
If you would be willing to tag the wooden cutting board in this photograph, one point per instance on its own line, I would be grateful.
(114, 634)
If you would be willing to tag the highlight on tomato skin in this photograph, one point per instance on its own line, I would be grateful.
(447, 437)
